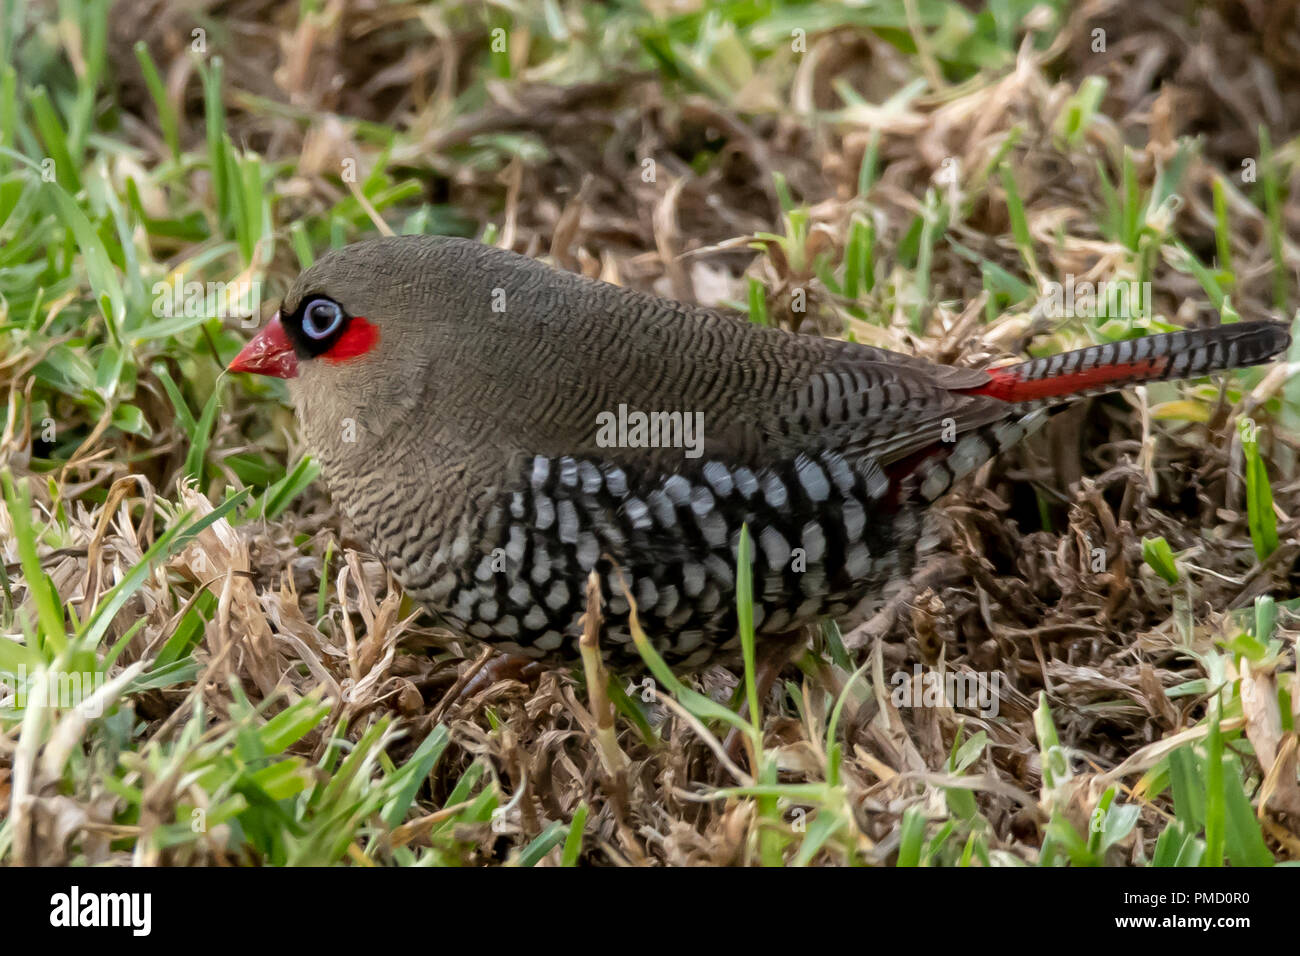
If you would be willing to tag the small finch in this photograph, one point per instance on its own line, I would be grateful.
(497, 429)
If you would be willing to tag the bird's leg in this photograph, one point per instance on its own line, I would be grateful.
(770, 657)
(498, 667)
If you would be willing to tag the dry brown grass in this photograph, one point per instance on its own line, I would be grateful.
(998, 593)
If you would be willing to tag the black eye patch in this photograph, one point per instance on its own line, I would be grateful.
(315, 325)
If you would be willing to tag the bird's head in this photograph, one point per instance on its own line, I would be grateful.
(369, 331)
(363, 305)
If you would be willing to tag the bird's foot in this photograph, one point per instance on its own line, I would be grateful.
(488, 670)
(502, 667)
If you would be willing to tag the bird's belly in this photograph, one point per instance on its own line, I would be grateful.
(516, 575)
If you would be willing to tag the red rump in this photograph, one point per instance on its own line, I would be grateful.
(1007, 385)
(357, 339)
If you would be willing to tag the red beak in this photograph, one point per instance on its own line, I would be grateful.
(268, 353)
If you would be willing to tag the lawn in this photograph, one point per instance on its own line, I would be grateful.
(201, 664)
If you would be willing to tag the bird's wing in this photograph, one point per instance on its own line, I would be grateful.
(885, 406)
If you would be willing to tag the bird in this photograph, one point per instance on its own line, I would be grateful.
(497, 429)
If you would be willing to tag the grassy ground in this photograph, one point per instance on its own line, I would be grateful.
(911, 174)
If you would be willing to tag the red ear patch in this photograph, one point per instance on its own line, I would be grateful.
(357, 339)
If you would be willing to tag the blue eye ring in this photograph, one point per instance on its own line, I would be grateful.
(321, 318)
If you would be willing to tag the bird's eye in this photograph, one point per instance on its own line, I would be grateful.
(321, 318)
